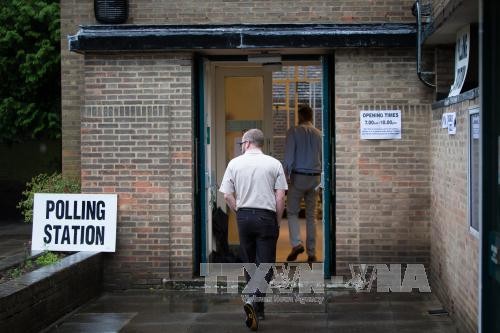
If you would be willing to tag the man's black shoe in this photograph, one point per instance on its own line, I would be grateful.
(311, 258)
(296, 250)
(251, 320)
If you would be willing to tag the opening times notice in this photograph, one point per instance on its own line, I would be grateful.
(377, 125)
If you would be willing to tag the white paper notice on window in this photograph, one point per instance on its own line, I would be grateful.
(380, 124)
(476, 131)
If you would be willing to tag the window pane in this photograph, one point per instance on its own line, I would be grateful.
(292, 86)
(474, 150)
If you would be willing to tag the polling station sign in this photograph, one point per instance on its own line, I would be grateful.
(380, 124)
(74, 222)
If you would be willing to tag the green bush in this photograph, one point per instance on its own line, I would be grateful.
(43, 183)
(14, 273)
(47, 258)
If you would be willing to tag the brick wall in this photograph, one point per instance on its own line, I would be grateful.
(445, 70)
(454, 250)
(76, 12)
(137, 142)
(73, 13)
(438, 6)
(266, 11)
(35, 300)
(383, 188)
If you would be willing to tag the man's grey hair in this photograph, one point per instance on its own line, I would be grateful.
(254, 136)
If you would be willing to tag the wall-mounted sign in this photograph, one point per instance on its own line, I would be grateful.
(452, 123)
(74, 222)
(383, 124)
(462, 50)
(444, 120)
(449, 121)
(475, 127)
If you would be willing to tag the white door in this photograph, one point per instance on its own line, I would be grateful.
(242, 100)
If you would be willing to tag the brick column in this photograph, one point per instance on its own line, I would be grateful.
(137, 142)
(383, 186)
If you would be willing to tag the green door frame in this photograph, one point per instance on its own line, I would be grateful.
(328, 130)
(201, 136)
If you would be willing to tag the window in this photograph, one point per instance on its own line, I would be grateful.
(474, 167)
(292, 86)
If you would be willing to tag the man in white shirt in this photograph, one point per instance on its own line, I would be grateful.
(303, 169)
(254, 186)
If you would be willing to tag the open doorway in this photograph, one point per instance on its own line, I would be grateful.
(239, 96)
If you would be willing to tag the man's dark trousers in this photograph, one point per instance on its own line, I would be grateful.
(258, 231)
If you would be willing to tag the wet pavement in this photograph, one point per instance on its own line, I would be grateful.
(342, 311)
(164, 310)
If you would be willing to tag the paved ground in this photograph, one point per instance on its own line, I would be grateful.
(342, 311)
(195, 311)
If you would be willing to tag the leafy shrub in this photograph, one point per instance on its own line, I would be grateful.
(30, 62)
(47, 258)
(14, 273)
(29, 265)
(43, 183)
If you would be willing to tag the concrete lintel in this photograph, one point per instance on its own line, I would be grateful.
(133, 38)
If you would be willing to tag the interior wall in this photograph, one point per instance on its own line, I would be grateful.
(244, 100)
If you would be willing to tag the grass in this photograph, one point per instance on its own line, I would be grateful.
(29, 265)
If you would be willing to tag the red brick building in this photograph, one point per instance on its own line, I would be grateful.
(151, 107)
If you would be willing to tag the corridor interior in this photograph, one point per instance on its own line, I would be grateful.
(283, 247)
(247, 96)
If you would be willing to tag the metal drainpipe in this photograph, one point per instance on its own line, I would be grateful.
(420, 73)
